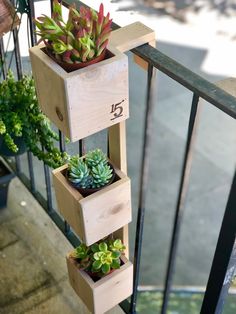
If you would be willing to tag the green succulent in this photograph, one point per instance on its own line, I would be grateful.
(101, 175)
(99, 258)
(20, 116)
(95, 157)
(81, 38)
(105, 260)
(92, 171)
(79, 173)
(116, 245)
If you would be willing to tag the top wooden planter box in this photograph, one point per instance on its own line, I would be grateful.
(85, 101)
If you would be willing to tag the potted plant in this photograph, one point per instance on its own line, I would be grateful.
(5, 178)
(84, 102)
(23, 125)
(80, 41)
(101, 209)
(100, 274)
(91, 173)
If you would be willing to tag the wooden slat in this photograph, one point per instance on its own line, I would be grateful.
(131, 36)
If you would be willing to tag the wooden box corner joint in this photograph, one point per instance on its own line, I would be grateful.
(132, 36)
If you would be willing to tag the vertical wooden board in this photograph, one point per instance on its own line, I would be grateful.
(81, 283)
(106, 210)
(50, 87)
(114, 288)
(117, 154)
(117, 145)
(93, 101)
(68, 201)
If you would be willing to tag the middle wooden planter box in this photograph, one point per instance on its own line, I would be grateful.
(84, 101)
(95, 216)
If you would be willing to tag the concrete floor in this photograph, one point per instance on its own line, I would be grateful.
(33, 277)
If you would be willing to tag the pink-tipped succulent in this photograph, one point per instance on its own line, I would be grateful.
(82, 38)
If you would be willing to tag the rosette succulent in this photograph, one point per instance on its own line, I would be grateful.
(99, 258)
(92, 171)
(84, 36)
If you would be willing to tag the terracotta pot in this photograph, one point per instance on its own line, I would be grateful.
(69, 67)
(87, 192)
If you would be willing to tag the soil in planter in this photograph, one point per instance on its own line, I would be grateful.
(70, 67)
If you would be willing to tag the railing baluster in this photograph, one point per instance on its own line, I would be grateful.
(224, 261)
(3, 60)
(143, 185)
(181, 199)
(31, 172)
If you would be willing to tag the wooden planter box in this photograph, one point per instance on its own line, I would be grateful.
(8, 17)
(85, 101)
(107, 292)
(95, 216)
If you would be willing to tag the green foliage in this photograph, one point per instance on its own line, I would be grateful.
(20, 116)
(95, 157)
(79, 173)
(101, 175)
(91, 172)
(116, 245)
(81, 38)
(99, 258)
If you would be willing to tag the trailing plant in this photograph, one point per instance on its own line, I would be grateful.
(81, 38)
(21, 117)
(93, 171)
(100, 258)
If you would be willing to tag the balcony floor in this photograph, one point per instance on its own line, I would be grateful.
(33, 277)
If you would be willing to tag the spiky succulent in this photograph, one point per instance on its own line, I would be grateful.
(83, 37)
(101, 175)
(95, 157)
(99, 258)
(79, 173)
(92, 171)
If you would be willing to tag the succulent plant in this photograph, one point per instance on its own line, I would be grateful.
(21, 117)
(79, 173)
(116, 245)
(101, 175)
(81, 38)
(95, 157)
(98, 258)
(105, 260)
(92, 171)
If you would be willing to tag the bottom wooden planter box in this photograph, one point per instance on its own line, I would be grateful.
(107, 292)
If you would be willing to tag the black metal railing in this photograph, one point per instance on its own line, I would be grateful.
(225, 253)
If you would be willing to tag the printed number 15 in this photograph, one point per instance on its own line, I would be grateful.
(117, 110)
